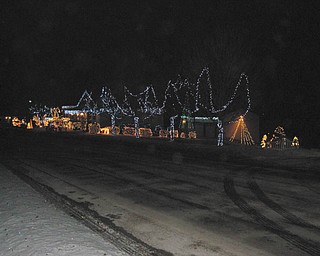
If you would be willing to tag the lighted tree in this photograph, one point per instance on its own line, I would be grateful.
(89, 105)
(129, 107)
(172, 104)
(149, 103)
(204, 92)
(242, 132)
(228, 53)
(110, 106)
(186, 96)
(39, 110)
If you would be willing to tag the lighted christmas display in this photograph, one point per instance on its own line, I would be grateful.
(145, 132)
(182, 101)
(110, 106)
(279, 140)
(295, 142)
(241, 131)
(192, 135)
(172, 131)
(129, 131)
(220, 133)
(264, 141)
(163, 134)
(30, 126)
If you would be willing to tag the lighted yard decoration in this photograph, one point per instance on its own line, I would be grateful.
(145, 132)
(279, 140)
(163, 134)
(39, 113)
(172, 131)
(220, 133)
(242, 131)
(128, 109)
(105, 131)
(29, 125)
(142, 105)
(264, 141)
(16, 122)
(109, 129)
(192, 135)
(129, 131)
(295, 142)
(55, 112)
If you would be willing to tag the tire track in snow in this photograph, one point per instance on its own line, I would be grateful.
(102, 225)
(256, 190)
(308, 246)
(146, 188)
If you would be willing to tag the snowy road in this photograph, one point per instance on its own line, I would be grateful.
(184, 198)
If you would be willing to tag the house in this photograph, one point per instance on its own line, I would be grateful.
(83, 113)
(204, 126)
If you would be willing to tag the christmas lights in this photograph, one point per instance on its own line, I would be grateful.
(129, 131)
(245, 136)
(110, 106)
(85, 104)
(108, 130)
(192, 134)
(30, 126)
(145, 132)
(264, 141)
(208, 89)
(220, 133)
(180, 98)
(295, 142)
(163, 134)
(105, 131)
(136, 126)
(172, 131)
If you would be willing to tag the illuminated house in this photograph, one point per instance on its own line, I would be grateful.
(83, 113)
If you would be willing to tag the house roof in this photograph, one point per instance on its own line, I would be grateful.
(85, 103)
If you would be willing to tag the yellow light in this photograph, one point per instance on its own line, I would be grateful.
(30, 126)
(242, 129)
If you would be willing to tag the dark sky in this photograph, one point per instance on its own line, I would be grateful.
(52, 50)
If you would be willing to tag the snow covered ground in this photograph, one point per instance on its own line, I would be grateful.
(182, 198)
(31, 225)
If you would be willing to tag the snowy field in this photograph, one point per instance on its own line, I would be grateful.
(156, 197)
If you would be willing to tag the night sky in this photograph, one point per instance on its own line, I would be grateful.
(51, 51)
